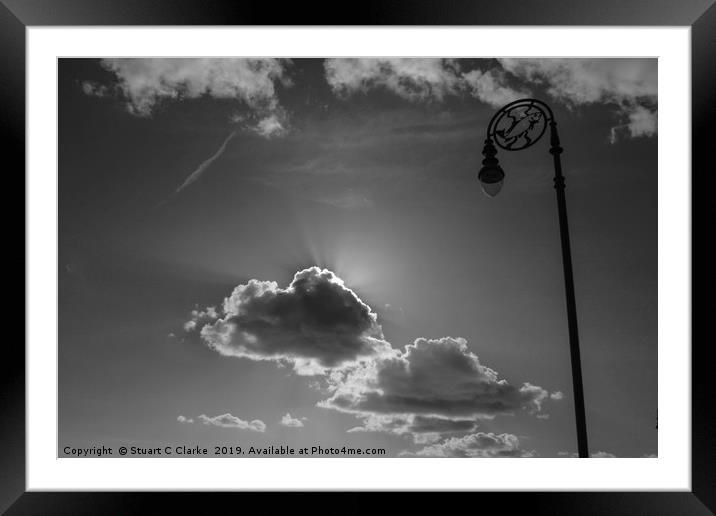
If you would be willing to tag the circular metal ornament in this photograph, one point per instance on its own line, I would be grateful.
(519, 125)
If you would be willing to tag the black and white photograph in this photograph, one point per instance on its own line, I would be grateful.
(357, 257)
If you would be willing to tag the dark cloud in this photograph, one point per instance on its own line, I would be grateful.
(433, 377)
(315, 323)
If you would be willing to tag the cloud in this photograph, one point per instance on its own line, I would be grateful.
(439, 377)
(430, 390)
(491, 87)
(271, 126)
(409, 78)
(423, 424)
(144, 83)
(586, 81)
(183, 419)
(477, 445)
(287, 420)
(229, 421)
(642, 122)
(201, 317)
(602, 455)
(556, 395)
(629, 84)
(593, 455)
(315, 323)
(419, 79)
(95, 90)
(421, 429)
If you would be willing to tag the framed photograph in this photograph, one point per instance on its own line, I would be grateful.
(423, 249)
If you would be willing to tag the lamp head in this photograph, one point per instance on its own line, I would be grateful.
(491, 179)
(491, 175)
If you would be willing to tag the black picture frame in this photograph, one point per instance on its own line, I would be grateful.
(17, 15)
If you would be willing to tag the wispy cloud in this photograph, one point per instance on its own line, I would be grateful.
(642, 121)
(491, 87)
(290, 421)
(229, 421)
(603, 455)
(477, 445)
(271, 126)
(587, 81)
(146, 83)
(196, 174)
(421, 429)
(628, 84)
(594, 455)
(410, 78)
(193, 177)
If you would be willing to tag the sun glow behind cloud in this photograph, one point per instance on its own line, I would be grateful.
(353, 261)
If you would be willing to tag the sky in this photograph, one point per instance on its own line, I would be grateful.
(297, 252)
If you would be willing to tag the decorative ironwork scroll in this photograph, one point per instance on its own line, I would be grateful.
(519, 125)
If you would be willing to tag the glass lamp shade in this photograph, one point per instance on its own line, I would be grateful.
(491, 179)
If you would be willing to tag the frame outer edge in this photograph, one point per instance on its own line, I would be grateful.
(370, 12)
(703, 113)
(12, 366)
(12, 113)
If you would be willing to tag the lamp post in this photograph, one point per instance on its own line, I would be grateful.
(516, 126)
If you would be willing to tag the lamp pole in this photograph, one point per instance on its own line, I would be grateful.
(516, 126)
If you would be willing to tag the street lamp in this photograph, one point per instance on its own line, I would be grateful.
(516, 126)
